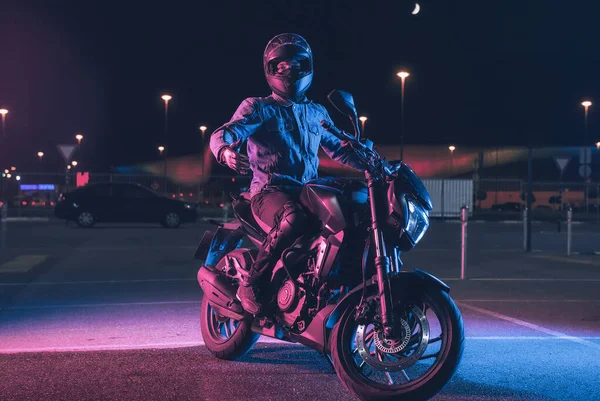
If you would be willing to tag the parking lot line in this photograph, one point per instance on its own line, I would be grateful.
(22, 263)
(158, 280)
(566, 259)
(263, 339)
(530, 325)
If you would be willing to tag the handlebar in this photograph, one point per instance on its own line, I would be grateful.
(376, 164)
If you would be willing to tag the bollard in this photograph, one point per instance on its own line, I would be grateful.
(525, 212)
(3, 217)
(225, 212)
(569, 232)
(464, 217)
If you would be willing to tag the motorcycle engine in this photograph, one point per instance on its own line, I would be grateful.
(292, 303)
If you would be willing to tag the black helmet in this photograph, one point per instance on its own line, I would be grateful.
(293, 82)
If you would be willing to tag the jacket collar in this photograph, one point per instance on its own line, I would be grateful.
(285, 102)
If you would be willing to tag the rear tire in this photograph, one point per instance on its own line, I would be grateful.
(226, 338)
(422, 388)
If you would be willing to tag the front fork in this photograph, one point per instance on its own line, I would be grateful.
(382, 260)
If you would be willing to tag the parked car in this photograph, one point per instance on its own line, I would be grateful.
(115, 202)
(508, 207)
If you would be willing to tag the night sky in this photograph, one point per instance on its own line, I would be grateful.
(483, 73)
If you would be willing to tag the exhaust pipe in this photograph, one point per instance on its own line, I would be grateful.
(220, 293)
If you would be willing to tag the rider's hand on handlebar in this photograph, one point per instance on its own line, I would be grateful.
(235, 161)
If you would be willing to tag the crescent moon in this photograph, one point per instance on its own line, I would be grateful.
(417, 9)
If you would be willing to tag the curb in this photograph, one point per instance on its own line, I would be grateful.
(27, 219)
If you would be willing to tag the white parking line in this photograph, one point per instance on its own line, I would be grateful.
(99, 305)
(530, 325)
(527, 300)
(158, 280)
(266, 340)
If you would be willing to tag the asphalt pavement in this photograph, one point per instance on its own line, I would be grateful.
(112, 313)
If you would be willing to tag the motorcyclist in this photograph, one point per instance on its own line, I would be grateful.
(283, 134)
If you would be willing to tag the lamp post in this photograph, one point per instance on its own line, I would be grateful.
(200, 194)
(166, 98)
(79, 137)
(586, 104)
(402, 75)
(3, 112)
(362, 119)
(452, 148)
(41, 156)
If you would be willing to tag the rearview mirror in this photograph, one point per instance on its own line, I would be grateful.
(344, 103)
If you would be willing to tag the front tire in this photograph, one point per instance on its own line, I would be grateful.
(224, 337)
(373, 374)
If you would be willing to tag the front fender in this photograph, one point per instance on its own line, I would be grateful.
(416, 281)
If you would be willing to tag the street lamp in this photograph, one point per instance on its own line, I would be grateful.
(79, 137)
(41, 156)
(74, 163)
(166, 98)
(402, 75)
(598, 145)
(3, 112)
(586, 104)
(362, 121)
(161, 149)
(12, 168)
(452, 148)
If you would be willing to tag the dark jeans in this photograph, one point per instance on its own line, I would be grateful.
(267, 205)
(278, 208)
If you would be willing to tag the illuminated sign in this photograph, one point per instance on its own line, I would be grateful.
(36, 187)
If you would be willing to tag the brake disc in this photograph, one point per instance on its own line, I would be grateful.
(394, 348)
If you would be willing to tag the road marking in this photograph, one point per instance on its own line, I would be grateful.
(99, 305)
(264, 340)
(530, 325)
(22, 264)
(527, 300)
(567, 259)
(527, 279)
(161, 280)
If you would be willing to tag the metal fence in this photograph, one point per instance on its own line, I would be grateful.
(503, 198)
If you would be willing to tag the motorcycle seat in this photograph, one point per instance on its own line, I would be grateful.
(243, 211)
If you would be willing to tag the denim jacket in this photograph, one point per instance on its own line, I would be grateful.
(283, 140)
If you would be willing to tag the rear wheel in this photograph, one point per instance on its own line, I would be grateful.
(225, 337)
(86, 219)
(416, 365)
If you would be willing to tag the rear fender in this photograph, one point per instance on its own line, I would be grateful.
(416, 281)
(213, 246)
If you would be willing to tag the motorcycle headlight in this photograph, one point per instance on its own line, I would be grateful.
(418, 221)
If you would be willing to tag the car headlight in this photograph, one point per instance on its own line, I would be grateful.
(418, 221)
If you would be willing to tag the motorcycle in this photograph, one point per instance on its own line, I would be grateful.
(340, 289)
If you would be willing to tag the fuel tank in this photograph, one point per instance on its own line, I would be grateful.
(335, 201)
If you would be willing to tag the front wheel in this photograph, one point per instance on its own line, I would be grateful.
(414, 366)
(224, 337)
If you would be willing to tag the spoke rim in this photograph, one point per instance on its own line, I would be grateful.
(413, 363)
(221, 328)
